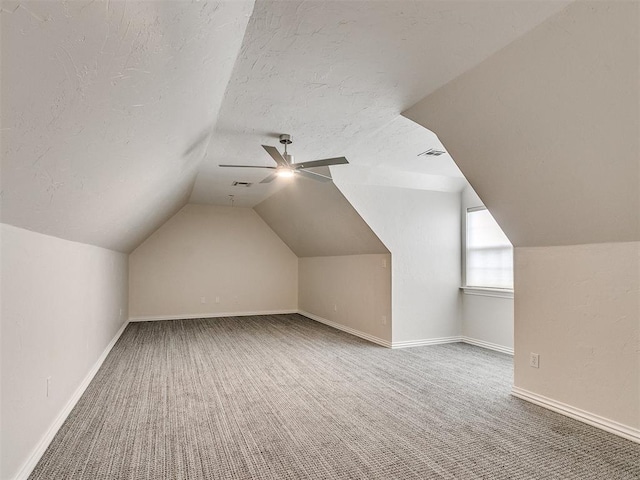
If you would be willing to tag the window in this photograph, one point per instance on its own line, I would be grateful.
(489, 254)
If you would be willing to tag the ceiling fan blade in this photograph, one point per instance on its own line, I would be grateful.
(322, 163)
(314, 176)
(270, 178)
(247, 166)
(275, 154)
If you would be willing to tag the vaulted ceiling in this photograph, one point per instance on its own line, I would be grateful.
(547, 130)
(105, 111)
(115, 114)
(315, 219)
(336, 74)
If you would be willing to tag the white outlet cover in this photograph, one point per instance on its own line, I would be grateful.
(534, 360)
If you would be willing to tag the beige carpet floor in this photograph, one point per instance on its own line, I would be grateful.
(284, 397)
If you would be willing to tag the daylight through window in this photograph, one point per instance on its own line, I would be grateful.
(489, 255)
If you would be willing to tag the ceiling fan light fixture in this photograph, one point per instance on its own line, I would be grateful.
(286, 166)
(285, 173)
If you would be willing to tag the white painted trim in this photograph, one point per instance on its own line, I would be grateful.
(188, 316)
(592, 419)
(488, 292)
(489, 345)
(426, 341)
(46, 439)
(404, 344)
(352, 331)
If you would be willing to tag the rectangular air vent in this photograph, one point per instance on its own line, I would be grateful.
(432, 152)
(241, 184)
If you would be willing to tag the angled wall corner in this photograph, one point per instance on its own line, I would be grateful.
(316, 220)
(348, 292)
(422, 230)
(546, 132)
(407, 239)
(344, 269)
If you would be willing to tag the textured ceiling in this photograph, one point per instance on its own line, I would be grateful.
(335, 74)
(393, 157)
(107, 109)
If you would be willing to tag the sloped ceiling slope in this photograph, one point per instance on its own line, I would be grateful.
(335, 73)
(314, 219)
(400, 163)
(547, 130)
(107, 110)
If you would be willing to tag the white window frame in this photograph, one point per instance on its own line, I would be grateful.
(473, 290)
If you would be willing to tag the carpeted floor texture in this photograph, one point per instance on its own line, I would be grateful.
(284, 397)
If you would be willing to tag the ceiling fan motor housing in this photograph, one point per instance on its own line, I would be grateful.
(285, 139)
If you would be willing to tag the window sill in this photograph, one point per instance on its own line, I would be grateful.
(488, 292)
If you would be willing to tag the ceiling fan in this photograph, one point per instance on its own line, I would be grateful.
(285, 166)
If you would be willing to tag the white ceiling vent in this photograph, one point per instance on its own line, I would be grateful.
(241, 184)
(432, 152)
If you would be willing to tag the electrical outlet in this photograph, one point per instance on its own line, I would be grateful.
(335, 308)
(534, 360)
(384, 319)
(217, 299)
(203, 299)
(384, 263)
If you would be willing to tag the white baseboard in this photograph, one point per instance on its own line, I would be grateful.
(426, 341)
(378, 340)
(188, 316)
(489, 345)
(352, 331)
(46, 439)
(597, 421)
